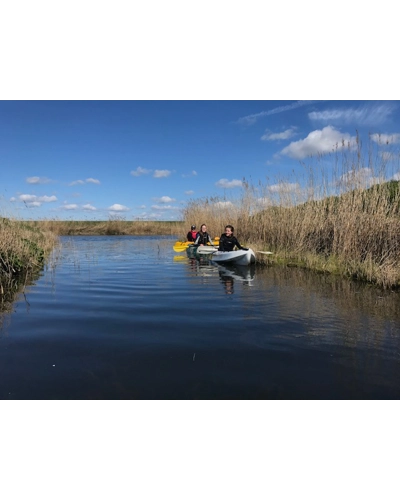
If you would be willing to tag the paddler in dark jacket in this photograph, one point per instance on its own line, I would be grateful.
(202, 237)
(228, 242)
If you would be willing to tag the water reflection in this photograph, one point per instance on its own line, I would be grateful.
(229, 273)
(10, 290)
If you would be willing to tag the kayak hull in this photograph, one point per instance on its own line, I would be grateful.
(193, 251)
(238, 257)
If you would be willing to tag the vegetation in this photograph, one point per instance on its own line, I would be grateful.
(113, 226)
(22, 247)
(23, 250)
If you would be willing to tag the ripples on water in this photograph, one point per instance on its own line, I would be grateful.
(126, 317)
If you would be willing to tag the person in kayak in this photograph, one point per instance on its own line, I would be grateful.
(191, 236)
(228, 241)
(202, 237)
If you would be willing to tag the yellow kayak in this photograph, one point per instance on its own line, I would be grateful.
(180, 246)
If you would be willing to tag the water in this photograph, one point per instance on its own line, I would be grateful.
(128, 318)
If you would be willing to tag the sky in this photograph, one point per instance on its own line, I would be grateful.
(146, 159)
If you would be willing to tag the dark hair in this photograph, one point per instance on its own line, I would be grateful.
(230, 227)
(201, 230)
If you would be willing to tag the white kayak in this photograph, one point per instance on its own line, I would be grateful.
(203, 250)
(239, 257)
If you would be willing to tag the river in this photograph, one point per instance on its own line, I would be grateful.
(126, 317)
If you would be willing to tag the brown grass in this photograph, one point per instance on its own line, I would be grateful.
(22, 247)
(113, 226)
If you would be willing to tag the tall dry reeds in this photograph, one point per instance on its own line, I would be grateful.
(22, 247)
(341, 215)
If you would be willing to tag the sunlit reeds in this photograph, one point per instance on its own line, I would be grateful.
(22, 247)
(340, 216)
(112, 226)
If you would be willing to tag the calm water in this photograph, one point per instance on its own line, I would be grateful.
(128, 318)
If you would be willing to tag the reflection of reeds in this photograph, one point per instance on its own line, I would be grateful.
(10, 288)
(340, 217)
(368, 314)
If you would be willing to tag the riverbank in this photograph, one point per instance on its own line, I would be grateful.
(23, 247)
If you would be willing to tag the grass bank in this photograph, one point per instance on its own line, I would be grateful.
(23, 251)
(113, 226)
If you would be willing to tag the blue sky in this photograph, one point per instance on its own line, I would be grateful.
(146, 159)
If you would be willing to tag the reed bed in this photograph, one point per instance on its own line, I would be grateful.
(113, 226)
(22, 247)
(341, 216)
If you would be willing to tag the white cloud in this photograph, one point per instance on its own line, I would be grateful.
(36, 201)
(263, 202)
(164, 199)
(140, 171)
(161, 173)
(47, 199)
(88, 206)
(386, 138)
(225, 183)
(72, 206)
(163, 207)
(284, 187)
(279, 136)
(192, 174)
(396, 176)
(251, 119)
(360, 178)
(37, 180)
(372, 114)
(318, 142)
(90, 180)
(189, 192)
(223, 204)
(118, 208)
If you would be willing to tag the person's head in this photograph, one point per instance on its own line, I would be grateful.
(203, 228)
(229, 230)
(193, 228)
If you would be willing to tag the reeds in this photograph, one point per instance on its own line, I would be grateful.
(112, 226)
(22, 247)
(341, 216)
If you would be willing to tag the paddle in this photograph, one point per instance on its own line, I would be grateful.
(180, 248)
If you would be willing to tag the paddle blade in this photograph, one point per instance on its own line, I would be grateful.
(179, 248)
